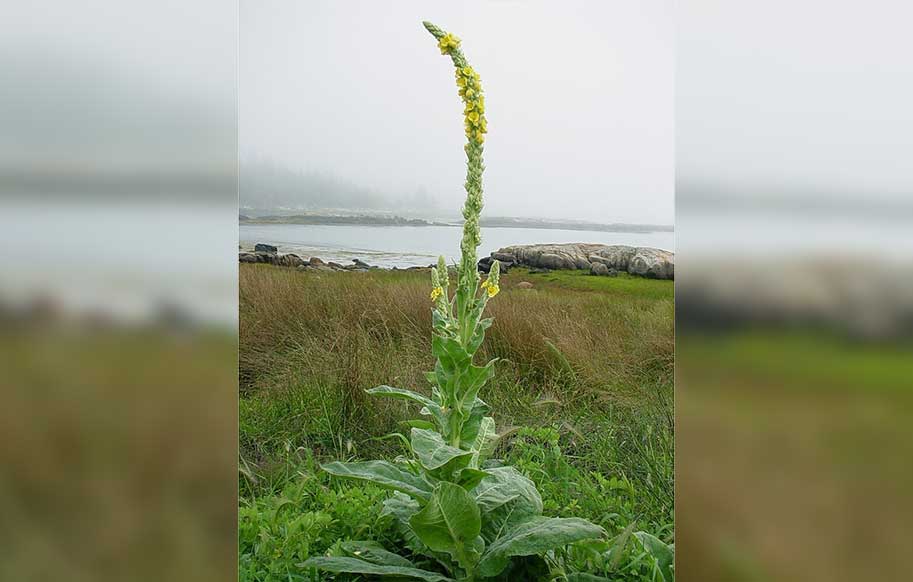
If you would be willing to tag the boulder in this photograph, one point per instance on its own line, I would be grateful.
(651, 263)
(289, 260)
(597, 268)
(247, 257)
(315, 261)
(361, 263)
(556, 261)
(642, 261)
(263, 247)
(524, 285)
(485, 264)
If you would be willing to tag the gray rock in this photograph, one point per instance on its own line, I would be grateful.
(247, 257)
(642, 261)
(597, 268)
(361, 263)
(289, 260)
(263, 247)
(556, 261)
(315, 261)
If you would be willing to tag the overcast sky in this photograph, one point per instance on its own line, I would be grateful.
(579, 98)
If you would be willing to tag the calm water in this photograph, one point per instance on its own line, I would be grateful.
(404, 246)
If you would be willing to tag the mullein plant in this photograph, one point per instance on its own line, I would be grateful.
(462, 515)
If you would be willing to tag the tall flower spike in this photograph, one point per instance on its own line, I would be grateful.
(476, 125)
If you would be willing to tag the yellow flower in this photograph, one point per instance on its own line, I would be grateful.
(493, 290)
(480, 137)
(485, 283)
(436, 292)
(483, 125)
(473, 116)
(467, 72)
(461, 81)
(480, 105)
(447, 43)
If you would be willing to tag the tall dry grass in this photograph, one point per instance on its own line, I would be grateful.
(311, 343)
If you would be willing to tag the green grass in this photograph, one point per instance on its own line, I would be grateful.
(623, 287)
(583, 393)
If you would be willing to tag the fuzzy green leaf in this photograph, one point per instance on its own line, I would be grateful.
(436, 455)
(504, 485)
(402, 393)
(450, 352)
(533, 537)
(419, 424)
(483, 444)
(375, 553)
(469, 382)
(479, 336)
(451, 523)
(470, 477)
(474, 421)
(340, 565)
(383, 474)
(661, 553)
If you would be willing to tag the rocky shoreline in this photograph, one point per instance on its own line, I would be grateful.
(269, 254)
(597, 259)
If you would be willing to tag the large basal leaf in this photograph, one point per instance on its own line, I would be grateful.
(375, 553)
(504, 485)
(383, 474)
(401, 508)
(662, 553)
(483, 443)
(533, 537)
(341, 565)
(450, 522)
(436, 455)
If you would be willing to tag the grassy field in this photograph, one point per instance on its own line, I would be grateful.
(583, 393)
